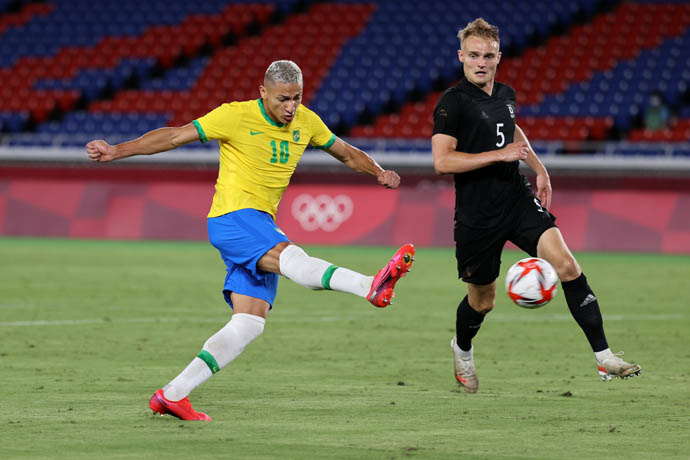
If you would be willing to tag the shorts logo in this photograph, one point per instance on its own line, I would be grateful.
(538, 203)
(322, 212)
(295, 135)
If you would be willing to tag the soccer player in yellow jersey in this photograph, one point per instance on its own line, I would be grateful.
(261, 142)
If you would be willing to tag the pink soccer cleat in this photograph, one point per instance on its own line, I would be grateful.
(381, 292)
(181, 409)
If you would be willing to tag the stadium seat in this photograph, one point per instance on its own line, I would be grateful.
(376, 71)
(609, 85)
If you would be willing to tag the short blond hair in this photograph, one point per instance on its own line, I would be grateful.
(479, 28)
(283, 71)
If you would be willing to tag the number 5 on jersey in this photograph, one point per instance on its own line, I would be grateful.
(501, 136)
(284, 152)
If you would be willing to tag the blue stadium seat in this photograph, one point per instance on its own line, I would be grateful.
(13, 122)
(406, 49)
(412, 43)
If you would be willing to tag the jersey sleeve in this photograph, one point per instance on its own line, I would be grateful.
(219, 123)
(322, 137)
(446, 115)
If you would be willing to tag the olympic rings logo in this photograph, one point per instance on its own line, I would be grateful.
(321, 212)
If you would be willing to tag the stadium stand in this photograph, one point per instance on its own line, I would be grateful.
(74, 69)
(56, 63)
(588, 84)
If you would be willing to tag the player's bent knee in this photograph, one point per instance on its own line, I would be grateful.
(567, 269)
(483, 305)
(484, 308)
(482, 298)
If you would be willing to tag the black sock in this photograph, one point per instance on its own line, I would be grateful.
(584, 307)
(467, 324)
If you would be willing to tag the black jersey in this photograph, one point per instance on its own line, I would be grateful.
(481, 123)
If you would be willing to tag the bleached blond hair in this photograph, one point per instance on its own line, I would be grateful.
(283, 71)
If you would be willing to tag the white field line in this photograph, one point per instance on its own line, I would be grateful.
(565, 317)
(513, 318)
(82, 322)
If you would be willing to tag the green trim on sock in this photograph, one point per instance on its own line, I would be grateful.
(210, 361)
(326, 278)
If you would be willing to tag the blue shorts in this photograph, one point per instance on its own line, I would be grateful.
(243, 237)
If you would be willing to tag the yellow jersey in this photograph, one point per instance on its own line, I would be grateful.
(257, 155)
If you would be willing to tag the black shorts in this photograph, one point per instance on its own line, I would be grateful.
(478, 250)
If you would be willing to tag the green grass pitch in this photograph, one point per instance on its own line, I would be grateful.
(89, 330)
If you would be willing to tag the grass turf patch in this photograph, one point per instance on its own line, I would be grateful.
(91, 329)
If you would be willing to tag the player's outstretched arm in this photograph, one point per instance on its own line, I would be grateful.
(543, 180)
(360, 161)
(156, 141)
(447, 160)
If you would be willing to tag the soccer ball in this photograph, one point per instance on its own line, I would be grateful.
(531, 282)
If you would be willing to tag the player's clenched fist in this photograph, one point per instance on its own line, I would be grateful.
(389, 179)
(100, 151)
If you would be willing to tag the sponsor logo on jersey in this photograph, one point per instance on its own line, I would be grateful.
(254, 133)
(511, 109)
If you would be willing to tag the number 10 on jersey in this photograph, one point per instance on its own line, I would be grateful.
(284, 152)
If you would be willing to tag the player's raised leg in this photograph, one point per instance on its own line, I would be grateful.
(317, 274)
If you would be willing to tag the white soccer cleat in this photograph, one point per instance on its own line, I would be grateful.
(613, 367)
(465, 373)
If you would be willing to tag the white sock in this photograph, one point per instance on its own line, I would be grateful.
(196, 373)
(603, 354)
(346, 280)
(218, 351)
(318, 274)
(464, 354)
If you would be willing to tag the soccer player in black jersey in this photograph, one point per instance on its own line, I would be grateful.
(476, 139)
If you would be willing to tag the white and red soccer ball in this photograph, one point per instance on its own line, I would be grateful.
(531, 282)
